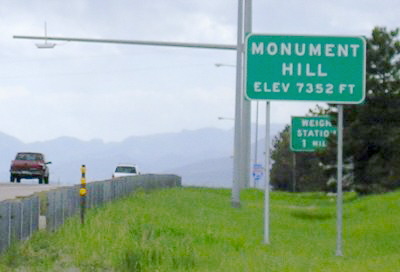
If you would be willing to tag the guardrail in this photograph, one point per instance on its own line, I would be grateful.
(20, 218)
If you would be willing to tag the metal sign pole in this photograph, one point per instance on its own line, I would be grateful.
(267, 174)
(294, 172)
(339, 196)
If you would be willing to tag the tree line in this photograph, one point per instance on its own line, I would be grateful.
(371, 133)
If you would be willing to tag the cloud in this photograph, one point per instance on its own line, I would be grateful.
(9, 94)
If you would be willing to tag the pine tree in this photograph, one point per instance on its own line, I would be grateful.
(372, 129)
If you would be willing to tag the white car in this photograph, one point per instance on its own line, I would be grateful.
(123, 170)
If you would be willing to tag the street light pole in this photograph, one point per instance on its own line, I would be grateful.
(246, 110)
(237, 145)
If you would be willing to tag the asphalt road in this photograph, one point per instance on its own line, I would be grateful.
(14, 190)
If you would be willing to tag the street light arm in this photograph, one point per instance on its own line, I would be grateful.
(153, 43)
(222, 64)
(226, 118)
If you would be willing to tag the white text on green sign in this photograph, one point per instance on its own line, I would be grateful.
(309, 68)
(310, 133)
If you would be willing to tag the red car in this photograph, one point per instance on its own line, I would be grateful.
(29, 165)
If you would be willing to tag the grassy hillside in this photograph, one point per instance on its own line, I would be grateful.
(195, 229)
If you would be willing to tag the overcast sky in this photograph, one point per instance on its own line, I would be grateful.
(111, 92)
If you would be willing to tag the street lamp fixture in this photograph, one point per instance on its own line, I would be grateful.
(45, 45)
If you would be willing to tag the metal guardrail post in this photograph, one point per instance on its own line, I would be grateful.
(4, 226)
(82, 193)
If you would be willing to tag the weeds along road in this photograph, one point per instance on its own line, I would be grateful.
(14, 190)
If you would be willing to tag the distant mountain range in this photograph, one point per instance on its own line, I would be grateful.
(202, 157)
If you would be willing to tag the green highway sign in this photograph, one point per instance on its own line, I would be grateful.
(306, 68)
(310, 133)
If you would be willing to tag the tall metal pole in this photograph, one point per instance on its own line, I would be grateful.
(339, 196)
(246, 110)
(267, 173)
(237, 158)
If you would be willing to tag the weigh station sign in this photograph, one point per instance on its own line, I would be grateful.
(308, 68)
(310, 133)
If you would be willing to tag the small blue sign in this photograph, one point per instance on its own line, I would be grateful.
(258, 171)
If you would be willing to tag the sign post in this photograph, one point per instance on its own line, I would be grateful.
(339, 196)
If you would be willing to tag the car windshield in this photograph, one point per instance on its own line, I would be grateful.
(29, 157)
(126, 169)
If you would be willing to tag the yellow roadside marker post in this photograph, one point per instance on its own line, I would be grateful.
(82, 193)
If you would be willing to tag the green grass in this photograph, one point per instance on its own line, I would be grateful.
(195, 229)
